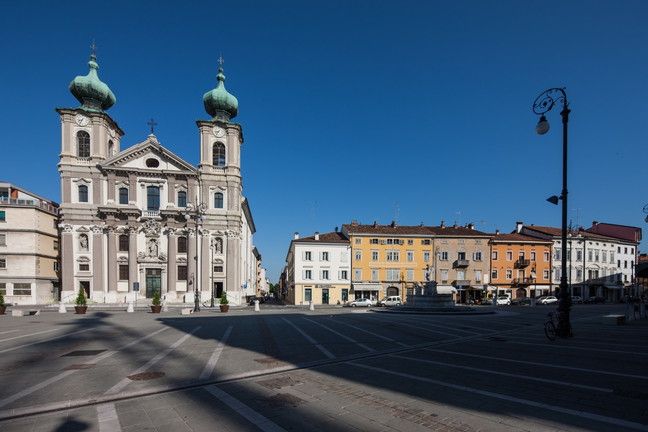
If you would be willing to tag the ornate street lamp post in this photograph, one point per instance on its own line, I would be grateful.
(543, 104)
(196, 212)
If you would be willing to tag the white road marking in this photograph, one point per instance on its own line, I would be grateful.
(244, 411)
(211, 364)
(490, 371)
(326, 352)
(124, 382)
(27, 335)
(43, 341)
(97, 359)
(549, 365)
(108, 419)
(343, 336)
(581, 414)
(9, 331)
(372, 333)
(580, 348)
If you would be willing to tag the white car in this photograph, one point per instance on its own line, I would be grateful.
(548, 300)
(391, 301)
(363, 302)
(503, 300)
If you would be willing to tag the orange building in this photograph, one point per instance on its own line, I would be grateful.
(520, 265)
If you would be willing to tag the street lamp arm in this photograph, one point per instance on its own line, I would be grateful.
(548, 99)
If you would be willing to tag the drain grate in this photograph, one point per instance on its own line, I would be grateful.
(80, 366)
(82, 353)
(145, 376)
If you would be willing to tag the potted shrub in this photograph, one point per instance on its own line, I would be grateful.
(156, 307)
(81, 306)
(224, 304)
(3, 307)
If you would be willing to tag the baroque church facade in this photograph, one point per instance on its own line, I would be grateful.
(141, 220)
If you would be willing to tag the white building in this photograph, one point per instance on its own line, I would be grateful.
(598, 265)
(318, 269)
(141, 217)
(29, 247)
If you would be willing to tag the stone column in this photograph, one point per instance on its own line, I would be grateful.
(112, 260)
(67, 260)
(97, 260)
(132, 258)
(205, 263)
(171, 264)
(233, 260)
(132, 188)
(191, 261)
(171, 192)
(111, 186)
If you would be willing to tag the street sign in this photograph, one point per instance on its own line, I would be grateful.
(136, 286)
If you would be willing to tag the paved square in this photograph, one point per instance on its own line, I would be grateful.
(331, 369)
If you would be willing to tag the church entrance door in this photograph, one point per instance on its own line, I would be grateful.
(153, 282)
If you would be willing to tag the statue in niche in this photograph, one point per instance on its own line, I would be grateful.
(152, 248)
(218, 245)
(83, 242)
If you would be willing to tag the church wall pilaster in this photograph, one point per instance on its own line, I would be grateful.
(132, 259)
(172, 265)
(205, 276)
(67, 261)
(97, 260)
(112, 260)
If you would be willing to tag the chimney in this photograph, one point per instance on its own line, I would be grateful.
(354, 222)
(442, 223)
(471, 226)
(496, 232)
(518, 226)
(594, 223)
(393, 224)
(375, 224)
(296, 236)
(316, 235)
(336, 229)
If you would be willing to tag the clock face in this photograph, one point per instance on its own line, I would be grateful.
(82, 120)
(218, 132)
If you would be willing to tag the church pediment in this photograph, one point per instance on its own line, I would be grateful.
(148, 156)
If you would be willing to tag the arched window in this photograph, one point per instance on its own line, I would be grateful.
(111, 148)
(218, 200)
(123, 243)
(152, 198)
(182, 244)
(123, 195)
(219, 155)
(83, 193)
(182, 199)
(83, 144)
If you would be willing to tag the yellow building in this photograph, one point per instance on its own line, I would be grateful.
(389, 260)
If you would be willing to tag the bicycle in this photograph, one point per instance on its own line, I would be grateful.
(550, 326)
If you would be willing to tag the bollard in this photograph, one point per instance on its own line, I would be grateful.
(62, 308)
(130, 308)
(256, 306)
(165, 308)
(312, 306)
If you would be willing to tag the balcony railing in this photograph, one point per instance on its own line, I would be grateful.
(151, 213)
(521, 263)
(29, 203)
(460, 263)
(523, 281)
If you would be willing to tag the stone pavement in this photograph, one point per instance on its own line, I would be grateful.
(334, 369)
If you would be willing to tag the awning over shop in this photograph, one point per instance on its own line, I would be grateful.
(446, 289)
(367, 287)
(608, 286)
(491, 288)
(477, 287)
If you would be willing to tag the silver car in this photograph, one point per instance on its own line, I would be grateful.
(362, 302)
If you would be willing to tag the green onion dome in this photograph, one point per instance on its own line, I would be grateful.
(219, 103)
(93, 94)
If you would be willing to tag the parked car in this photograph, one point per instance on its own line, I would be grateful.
(595, 300)
(523, 301)
(391, 301)
(362, 302)
(503, 300)
(548, 300)
(577, 299)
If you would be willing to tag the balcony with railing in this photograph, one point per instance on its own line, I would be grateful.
(43, 205)
(460, 263)
(522, 263)
(523, 281)
(151, 214)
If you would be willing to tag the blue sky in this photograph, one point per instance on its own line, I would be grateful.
(367, 110)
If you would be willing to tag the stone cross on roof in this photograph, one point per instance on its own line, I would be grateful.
(152, 123)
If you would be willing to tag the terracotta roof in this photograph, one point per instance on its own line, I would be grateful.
(544, 229)
(420, 230)
(331, 237)
(557, 232)
(516, 237)
(624, 232)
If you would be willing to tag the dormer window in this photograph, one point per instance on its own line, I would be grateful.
(219, 155)
(83, 144)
